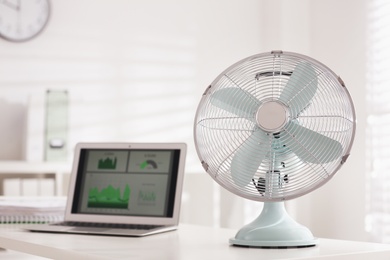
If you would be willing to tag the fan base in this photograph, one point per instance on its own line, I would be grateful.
(274, 228)
(273, 244)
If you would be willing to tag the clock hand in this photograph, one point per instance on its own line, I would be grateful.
(11, 5)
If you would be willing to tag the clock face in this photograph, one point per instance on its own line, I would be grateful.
(21, 20)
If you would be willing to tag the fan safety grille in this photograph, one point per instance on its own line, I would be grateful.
(274, 126)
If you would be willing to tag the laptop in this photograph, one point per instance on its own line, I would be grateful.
(123, 189)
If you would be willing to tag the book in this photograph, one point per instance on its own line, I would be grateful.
(20, 210)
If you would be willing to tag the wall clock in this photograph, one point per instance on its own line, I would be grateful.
(22, 20)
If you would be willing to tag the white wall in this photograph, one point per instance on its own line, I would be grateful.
(142, 65)
(135, 70)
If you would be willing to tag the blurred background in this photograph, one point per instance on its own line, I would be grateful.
(134, 71)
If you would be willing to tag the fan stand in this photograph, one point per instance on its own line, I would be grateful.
(274, 228)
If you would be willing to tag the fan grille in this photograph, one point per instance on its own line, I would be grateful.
(292, 161)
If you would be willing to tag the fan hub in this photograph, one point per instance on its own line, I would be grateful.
(272, 116)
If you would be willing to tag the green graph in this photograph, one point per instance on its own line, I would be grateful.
(146, 196)
(109, 197)
(107, 163)
(148, 164)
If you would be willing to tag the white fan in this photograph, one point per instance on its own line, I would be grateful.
(270, 128)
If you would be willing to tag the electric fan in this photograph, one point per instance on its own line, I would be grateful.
(270, 128)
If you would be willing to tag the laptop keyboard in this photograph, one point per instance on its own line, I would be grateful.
(106, 225)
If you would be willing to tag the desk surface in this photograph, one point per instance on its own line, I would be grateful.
(189, 242)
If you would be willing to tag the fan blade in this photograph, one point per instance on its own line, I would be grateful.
(248, 158)
(236, 101)
(300, 88)
(311, 146)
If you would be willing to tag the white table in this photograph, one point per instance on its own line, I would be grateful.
(189, 242)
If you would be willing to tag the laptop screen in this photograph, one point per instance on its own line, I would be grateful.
(126, 182)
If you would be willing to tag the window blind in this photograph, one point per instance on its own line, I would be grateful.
(378, 120)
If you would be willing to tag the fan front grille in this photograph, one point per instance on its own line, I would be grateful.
(285, 163)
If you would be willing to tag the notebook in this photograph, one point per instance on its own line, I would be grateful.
(31, 209)
(124, 189)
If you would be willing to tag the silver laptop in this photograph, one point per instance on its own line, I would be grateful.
(125, 189)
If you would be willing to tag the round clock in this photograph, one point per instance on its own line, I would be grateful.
(21, 20)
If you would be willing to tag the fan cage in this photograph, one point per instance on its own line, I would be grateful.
(282, 175)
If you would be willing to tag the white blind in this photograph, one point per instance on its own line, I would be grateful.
(378, 124)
